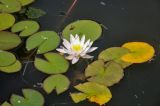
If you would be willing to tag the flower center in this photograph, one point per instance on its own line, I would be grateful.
(76, 47)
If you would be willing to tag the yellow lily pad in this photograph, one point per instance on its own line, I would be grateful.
(139, 52)
(6, 21)
(94, 92)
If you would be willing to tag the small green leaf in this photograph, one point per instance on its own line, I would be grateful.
(91, 29)
(55, 64)
(10, 6)
(45, 41)
(12, 68)
(8, 40)
(108, 75)
(78, 97)
(6, 58)
(115, 54)
(58, 82)
(5, 104)
(33, 13)
(95, 92)
(6, 21)
(26, 28)
(25, 2)
(31, 98)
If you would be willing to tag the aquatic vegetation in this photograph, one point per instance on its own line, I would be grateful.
(78, 38)
(77, 48)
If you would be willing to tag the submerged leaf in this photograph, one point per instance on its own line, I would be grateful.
(45, 41)
(12, 68)
(26, 28)
(9, 6)
(115, 54)
(5, 104)
(91, 29)
(8, 40)
(25, 2)
(95, 92)
(33, 13)
(107, 75)
(31, 98)
(6, 21)
(55, 64)
(59, 82)
(6, 58)
(140, 52)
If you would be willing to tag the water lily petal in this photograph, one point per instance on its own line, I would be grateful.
(70, 57)
(87, 56)
(75, 60)
(72, 38)
(92, 49)
(86, 44)
(61, 50)
(66, 44)
(83, 40)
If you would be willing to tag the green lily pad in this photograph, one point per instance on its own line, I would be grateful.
(12, 68)
(10, 6)
(115, 54)
(8, 40)
(78, 97)
(5, 104)
(25, 2)
(93, 91)
(6, 58)
(6, 21)
(108, 75)
(26, 28)
(55, 82)
(91, 29)
(31, 98)
(55, 64)
(45, 41)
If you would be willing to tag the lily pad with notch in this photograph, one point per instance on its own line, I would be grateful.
(115, 54)
(45, 41)
(6, 20)
(108, 75)
(59, 82)
(91, 29)
(31, 98)
(15, 67)
(26, 28)
(10, 6)
(55, 64)
(8, 40)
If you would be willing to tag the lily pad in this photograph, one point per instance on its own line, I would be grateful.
(6, 21)
(8, 40)
(12, 68)
(55, 82)
(10, 6)
(31, 98)
(25, 2)
(26, 28)
(5, 104)
(108, 75)
(95, 92)
(6, 58)
(78, 97)
(140, 52)
(91, 29)
(55, 64)
(115, 54)
(45, 41)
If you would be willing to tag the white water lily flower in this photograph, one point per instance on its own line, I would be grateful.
(76, 48)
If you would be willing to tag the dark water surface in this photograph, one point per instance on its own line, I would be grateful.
(126, 20)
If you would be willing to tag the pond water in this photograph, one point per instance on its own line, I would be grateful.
(123, 21)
